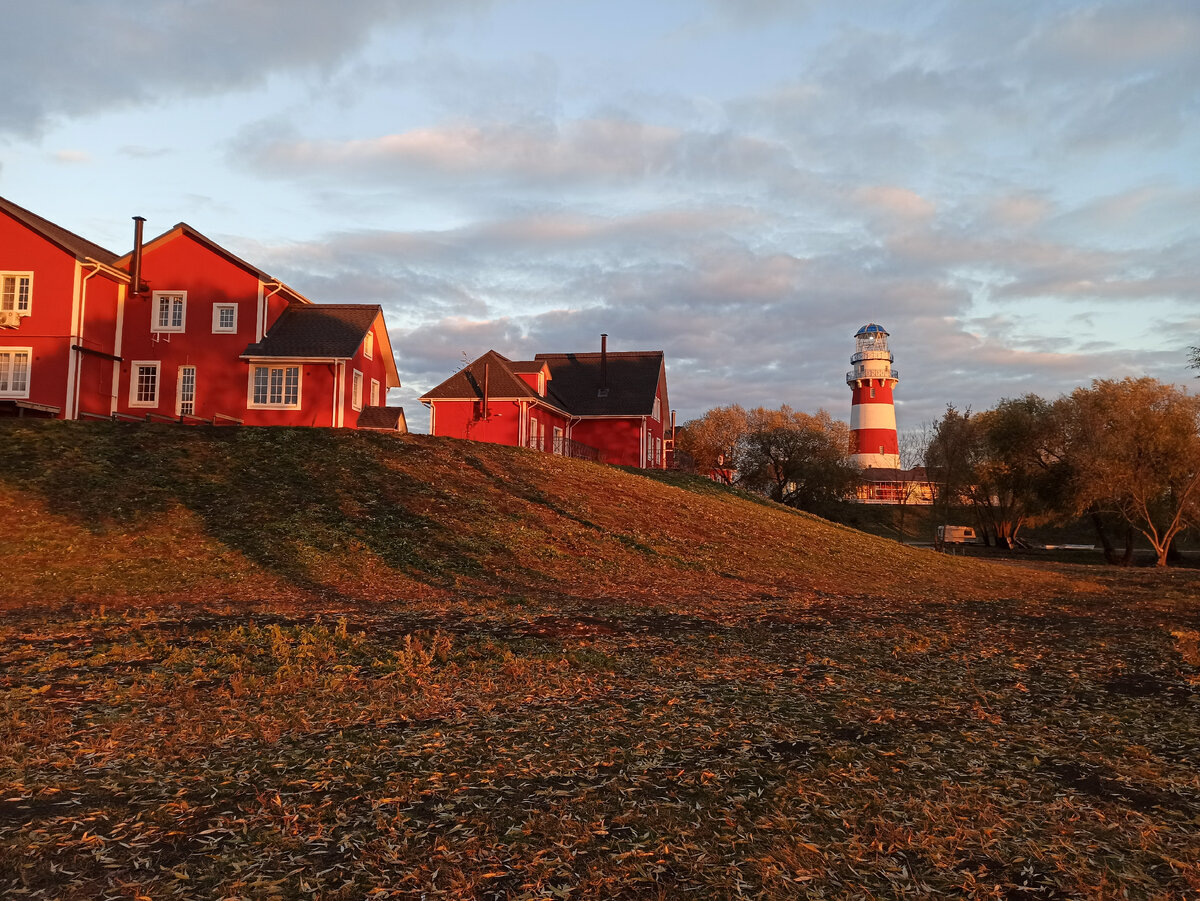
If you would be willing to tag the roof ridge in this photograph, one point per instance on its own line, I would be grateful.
(55, 233)
(596, 353)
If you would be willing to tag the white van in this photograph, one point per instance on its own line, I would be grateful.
(955, 535)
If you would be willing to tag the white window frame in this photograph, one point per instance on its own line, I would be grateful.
(369, 346)
(219, 329)
(283, 369)
(374, 392)
(657, 408)
(135, 382)
(356, 386)
(557, 436)
(533, 433)
(155, 313)
(658, 452)
(180, 381)
(9, 354)
(16, 307)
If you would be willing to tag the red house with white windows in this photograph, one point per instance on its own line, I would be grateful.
(605, 406)
(60, 302)
(179, 329)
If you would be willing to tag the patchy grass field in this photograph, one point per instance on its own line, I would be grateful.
(317, 665)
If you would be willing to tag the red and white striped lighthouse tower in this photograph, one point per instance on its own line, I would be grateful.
(873, 441)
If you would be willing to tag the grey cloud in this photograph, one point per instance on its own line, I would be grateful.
(529, 155)
(71, 59)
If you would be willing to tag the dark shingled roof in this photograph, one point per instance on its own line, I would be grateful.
(525, 365)
(325, 331)
(632, 382)
(389, 419)
(502, 382)
(80, 248)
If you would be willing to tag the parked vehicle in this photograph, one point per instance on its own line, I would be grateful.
(954, 535)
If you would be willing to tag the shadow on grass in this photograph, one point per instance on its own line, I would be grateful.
(287, 499)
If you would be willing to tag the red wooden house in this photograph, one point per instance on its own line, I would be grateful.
(60, 301)
(605, 406)
(193, 333)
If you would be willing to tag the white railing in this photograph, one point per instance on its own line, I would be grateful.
(872, 372)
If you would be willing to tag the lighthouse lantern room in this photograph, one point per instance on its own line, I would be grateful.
(873, 441)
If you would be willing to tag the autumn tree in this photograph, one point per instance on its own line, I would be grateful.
(713, 436)
(1019, 455)
(950, 459)
(796, 458)
(1135, 446)
(1003, 461)
(913, 446)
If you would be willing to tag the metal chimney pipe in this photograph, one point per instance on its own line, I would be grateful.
(135, 262)
(486, 373)
(604, 361)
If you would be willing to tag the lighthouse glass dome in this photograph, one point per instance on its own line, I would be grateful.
(871, 344)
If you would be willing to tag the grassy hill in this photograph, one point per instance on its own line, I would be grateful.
(138, 512)
(309, 664)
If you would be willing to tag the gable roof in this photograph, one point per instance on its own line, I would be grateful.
(325, 331)
(632, 382)
(182, 228)
(387, 419)
(526, 366)
(80, 248)
(503, 382)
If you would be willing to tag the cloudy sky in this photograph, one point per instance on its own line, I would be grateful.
(1011, 187)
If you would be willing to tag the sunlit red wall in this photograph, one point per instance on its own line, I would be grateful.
(47, 331)
(460, 419)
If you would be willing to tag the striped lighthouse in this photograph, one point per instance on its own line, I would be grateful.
(871, 378)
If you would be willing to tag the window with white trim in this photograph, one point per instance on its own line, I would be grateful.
(275, 387)
(170, 311)
(143, 383)
(369, 346)
(558, 441)
(658, 451)
(356, 390)
(14, 371)
(374, 392)
(533, 433)
(185, 392)
(657, 408)
(16, 292)
(224, 318)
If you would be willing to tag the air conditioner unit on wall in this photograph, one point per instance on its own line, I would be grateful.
(9, 319)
